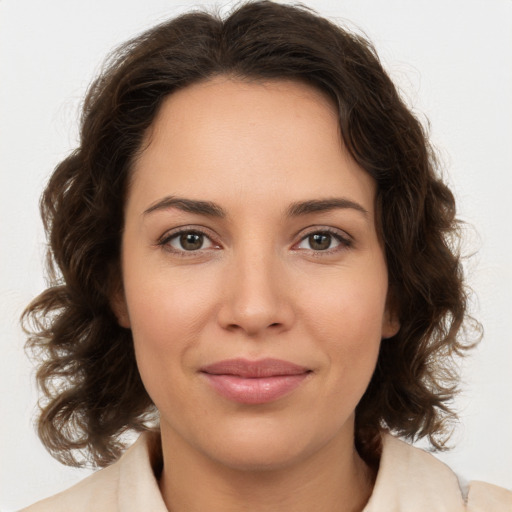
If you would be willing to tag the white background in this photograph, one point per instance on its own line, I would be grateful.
(451, 58)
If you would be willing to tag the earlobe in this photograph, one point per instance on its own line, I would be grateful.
(390, 320)
(120, 308)
(390, 325)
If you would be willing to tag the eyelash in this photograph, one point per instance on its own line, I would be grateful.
(165, 240)
(345, 242)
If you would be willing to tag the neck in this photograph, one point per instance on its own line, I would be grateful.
(334, 479)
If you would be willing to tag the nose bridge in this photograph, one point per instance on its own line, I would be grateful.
(255, 295)
(255, 279)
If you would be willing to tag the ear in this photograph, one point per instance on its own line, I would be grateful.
(120, 308)
(390, 319)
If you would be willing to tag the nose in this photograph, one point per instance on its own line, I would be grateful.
(256, 297)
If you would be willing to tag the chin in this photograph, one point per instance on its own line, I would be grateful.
(264, 448)
(258, 457)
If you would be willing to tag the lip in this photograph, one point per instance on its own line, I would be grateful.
(254, 382)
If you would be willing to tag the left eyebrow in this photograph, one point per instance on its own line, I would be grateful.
(187, 205)
(324, 205)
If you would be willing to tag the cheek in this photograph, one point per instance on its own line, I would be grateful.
(164, 326)
(347, 306)
(160, 298)
(168, 311)
(345, 316)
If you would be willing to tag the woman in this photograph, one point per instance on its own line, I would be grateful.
(258, 271)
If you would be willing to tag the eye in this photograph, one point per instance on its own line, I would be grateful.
(187, 241)
(323, 241)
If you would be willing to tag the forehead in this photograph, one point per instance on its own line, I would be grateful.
(276, 139)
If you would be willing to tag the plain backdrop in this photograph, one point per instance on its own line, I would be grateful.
(452, 61)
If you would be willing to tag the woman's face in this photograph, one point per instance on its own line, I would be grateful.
(254, 281)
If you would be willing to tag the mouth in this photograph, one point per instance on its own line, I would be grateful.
(254, 382)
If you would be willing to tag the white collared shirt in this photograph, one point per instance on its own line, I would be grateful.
(409, 480)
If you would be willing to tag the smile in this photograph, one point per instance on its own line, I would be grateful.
(254, 382)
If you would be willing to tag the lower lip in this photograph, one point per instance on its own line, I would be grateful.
(256, 390)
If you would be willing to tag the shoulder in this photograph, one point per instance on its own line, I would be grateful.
(412, 479)
(127, 485)
(96, 492)
(484, 497)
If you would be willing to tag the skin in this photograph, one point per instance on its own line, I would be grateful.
(257, 287)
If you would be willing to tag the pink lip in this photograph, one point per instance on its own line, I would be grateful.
(254, 382)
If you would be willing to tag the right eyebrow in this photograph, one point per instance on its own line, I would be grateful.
(187, 205)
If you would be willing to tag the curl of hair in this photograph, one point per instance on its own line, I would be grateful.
(87, 370)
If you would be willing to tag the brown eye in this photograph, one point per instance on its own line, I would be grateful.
(188, 241)
(320, 241)
(191, 241)
(326, 241)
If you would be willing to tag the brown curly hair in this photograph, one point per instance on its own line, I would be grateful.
(87, 370)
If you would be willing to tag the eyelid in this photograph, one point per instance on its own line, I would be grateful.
(164, 240)
(346, 240)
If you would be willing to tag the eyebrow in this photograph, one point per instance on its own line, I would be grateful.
(324, 205)
(294, 210)
(187, 205)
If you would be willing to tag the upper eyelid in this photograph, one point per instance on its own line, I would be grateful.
(171, 233)
(305, 232)
(164, 242)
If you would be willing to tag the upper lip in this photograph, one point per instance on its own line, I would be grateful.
(248, 369)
